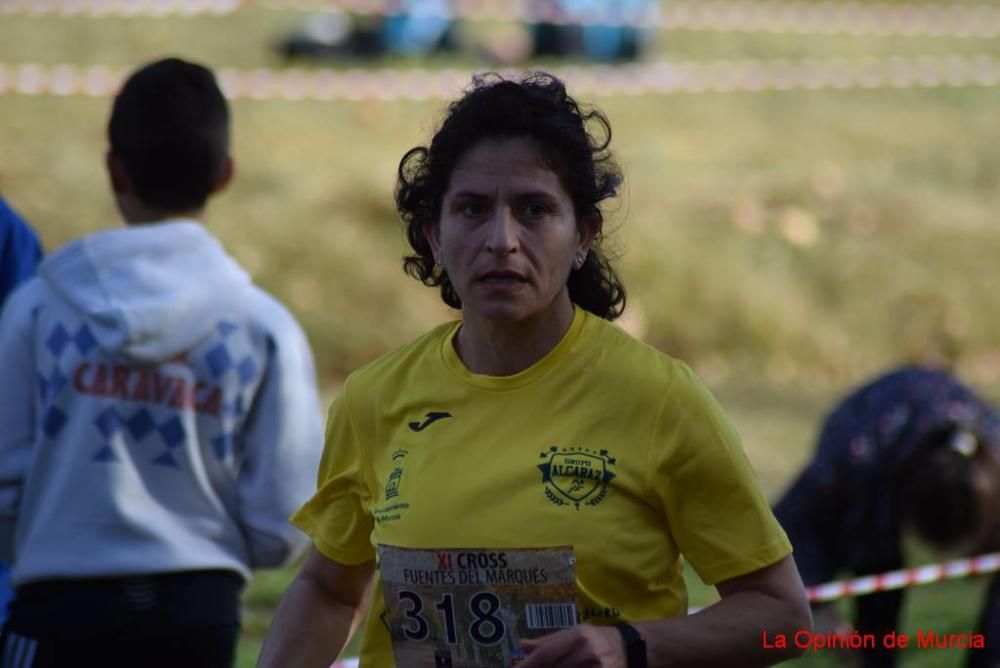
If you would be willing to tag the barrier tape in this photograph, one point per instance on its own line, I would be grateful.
(901, 579)
(688, 77)
(156, 8)
(907, 577)
(853, 18)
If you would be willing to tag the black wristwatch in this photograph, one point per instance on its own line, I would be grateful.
(635, 646)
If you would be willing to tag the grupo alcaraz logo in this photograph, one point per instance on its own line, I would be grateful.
(574, 476)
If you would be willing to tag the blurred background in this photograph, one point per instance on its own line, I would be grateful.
(810, 186)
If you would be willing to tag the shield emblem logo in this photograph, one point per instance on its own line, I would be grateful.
(576, 475)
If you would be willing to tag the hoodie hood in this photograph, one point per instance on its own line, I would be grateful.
(149, 291)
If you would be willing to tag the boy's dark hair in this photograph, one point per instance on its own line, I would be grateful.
(538, 108)
(169, 127)
(937, 490)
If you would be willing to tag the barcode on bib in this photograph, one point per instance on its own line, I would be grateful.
(550, 615)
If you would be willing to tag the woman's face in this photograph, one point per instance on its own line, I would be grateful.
(507, 234)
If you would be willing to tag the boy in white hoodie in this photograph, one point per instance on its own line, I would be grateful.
(159, 419)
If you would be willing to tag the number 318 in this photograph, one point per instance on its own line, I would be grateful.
(486, 628)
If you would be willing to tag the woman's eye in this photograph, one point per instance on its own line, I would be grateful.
(535, 210)
(472, 210)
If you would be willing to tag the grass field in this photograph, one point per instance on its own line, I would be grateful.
(786, 244)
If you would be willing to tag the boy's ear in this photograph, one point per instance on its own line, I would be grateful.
(120, 181)
(225, 176)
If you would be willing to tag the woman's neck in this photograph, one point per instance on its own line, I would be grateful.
(503, 348)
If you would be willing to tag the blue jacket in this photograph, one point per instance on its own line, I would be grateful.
(20, 251)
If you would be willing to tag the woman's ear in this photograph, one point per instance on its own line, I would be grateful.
(587, 230)
(431, 233)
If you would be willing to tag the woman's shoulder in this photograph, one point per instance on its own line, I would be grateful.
(635, 359)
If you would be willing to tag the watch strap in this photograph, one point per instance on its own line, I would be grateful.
(635, 646)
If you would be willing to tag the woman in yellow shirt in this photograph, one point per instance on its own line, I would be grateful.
(519, 485)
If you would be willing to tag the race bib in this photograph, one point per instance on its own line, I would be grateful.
(472, 608)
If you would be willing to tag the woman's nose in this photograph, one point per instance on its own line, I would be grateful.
(501, 237)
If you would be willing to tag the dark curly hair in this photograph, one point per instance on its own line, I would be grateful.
(537, 107)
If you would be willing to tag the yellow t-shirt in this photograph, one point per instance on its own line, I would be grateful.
(606, 445)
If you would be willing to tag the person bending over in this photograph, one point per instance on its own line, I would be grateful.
(913, 452)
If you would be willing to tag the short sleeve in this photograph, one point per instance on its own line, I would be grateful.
(706, 487)
(338, 516)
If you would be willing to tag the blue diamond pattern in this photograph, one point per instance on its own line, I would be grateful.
(226, 328)
(140, 424)
(247, 370)
(106, 454)
(57, 381)
(166, 459)
(172, 432)
(222, 446)
(53, 423)
(84, 340)
(218, 360)
(109, 422)
(57, 340)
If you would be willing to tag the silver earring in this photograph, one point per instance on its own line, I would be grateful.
(579, 261)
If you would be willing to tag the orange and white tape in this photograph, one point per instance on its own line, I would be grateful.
(119, 7)
(977, 20)
(901, 579)
(907, 577)
(684, 77)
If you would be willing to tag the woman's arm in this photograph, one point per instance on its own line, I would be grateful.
(317, 614)
(730, 633)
